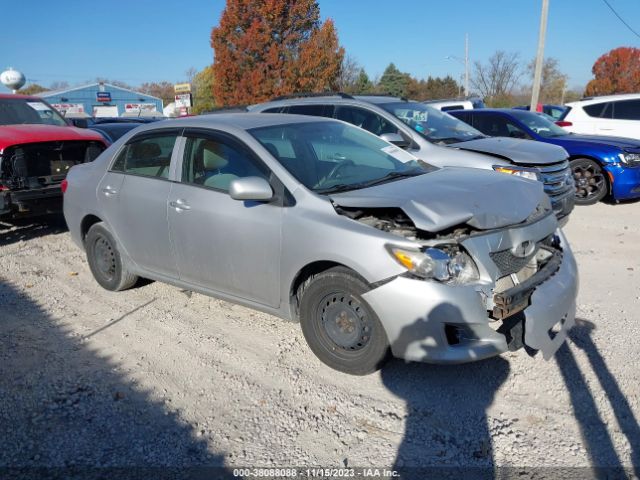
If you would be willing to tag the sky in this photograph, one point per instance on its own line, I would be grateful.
(137, 41)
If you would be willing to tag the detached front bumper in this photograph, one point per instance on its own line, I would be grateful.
(431, 322)
(31, 202)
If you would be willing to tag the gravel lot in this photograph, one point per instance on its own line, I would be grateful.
(158, 377)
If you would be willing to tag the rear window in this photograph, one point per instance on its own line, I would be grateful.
(311, 110)
(595, 109)
(17, 111)
(452, 107)
(149, 157)
(565, 113)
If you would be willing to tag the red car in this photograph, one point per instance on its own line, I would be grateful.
(37, 149)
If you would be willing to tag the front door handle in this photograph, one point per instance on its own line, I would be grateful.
(109, 191)
(180, 205)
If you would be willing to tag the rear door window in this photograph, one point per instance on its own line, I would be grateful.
(626, 110)
(595, 110)
(465, 117)
(148, 157)
(366, 119)
(312, 110)
(498, 126)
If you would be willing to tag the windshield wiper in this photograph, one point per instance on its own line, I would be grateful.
(392, 176)
(341, 187)
(447, 140)
(344, 187)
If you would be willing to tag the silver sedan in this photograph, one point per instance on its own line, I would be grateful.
(373, 251)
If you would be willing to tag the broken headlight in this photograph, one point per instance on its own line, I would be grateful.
(449, 266)
(529, 173)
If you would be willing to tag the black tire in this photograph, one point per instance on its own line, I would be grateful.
(341, 329)
(591, 181)
(105, 261)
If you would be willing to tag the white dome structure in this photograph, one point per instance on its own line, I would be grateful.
(13, 79)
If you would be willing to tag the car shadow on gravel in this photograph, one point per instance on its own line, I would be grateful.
(447, 434)
(67, 412)
(14, 231)
(594, 430)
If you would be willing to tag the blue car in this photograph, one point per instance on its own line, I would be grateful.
(601, 165)
(554, 111)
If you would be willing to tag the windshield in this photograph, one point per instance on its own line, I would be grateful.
(431, 123)
(539, 123)
(17, 111)
(331, 156)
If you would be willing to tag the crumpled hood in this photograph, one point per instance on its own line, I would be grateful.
(453, 196)
(18, 134)
(516, 150)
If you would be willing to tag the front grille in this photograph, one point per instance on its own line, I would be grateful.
(557, 178)
(35, 165)
(509, 263)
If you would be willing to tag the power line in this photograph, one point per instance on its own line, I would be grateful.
(621, 19)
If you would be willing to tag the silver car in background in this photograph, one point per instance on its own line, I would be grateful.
(317, 221)
(441, 139)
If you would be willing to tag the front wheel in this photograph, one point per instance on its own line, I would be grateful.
(105, 261)
(591, 184)
(341, 329)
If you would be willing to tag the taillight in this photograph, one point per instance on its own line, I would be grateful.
(2, 188)
(562, 123)
(64, 185)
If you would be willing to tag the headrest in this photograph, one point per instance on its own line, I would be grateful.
(211, 158)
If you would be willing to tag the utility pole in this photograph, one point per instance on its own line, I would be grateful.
(537, 77)
(466, 65)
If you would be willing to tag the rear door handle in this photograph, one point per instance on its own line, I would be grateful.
(180, 205)
(109, 190)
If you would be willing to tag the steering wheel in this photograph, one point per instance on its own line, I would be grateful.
(335, 170)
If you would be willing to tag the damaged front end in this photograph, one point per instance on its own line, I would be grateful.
(31, 174)
(470, 293)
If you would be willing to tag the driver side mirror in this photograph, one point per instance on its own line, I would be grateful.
(250, 188)
(396, 139)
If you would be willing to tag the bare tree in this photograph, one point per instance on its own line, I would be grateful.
(58, 85)
(349, 73)
(554, 82)
(498, 76)
(190, 74)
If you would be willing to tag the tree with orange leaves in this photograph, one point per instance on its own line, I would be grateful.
(617, 71)
(267, 48)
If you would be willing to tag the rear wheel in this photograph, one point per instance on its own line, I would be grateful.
(105, 261)
(591, 183)
(339, 326)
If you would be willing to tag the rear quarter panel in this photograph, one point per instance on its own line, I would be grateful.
(80, 198)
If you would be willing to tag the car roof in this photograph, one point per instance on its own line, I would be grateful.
(606, 98)
(242, 121)
(480, 111)
(332, 98)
